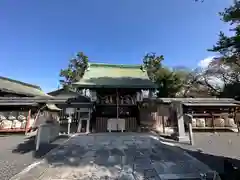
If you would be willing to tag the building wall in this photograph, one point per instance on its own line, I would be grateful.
(157, 118)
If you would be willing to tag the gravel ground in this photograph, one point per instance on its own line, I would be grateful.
(17, 152)
(220, 151)
(220, 144)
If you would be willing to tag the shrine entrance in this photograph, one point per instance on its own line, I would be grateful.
(84, 116)
(116, 110)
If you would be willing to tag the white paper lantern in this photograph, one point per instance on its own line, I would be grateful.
(2, 117)
(208, 122)
(194, 122)
(145, 93)
(6, 124)
(229, 122)
(16, 124)
(11, 117)
(21, 118)
(219, 122)
(88, 93)
(200, 122)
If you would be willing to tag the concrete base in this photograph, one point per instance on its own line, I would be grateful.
(183, 139)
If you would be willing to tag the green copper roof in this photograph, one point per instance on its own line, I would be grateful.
(18, 87)
(113, 76)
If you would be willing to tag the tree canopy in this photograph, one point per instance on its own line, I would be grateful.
(75, 70)
(221, 77)
(169, 82)
(227, 65)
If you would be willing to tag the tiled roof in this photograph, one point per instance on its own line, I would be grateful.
(113, 76)
(200, 101)
(18, 87)
(63, 93)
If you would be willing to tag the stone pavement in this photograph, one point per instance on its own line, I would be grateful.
(127, 156)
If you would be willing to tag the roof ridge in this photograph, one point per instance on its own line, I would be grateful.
(20, 82)
(117, 65)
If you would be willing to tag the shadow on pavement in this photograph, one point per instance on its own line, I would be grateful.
(147, 161)
(228, 169)
(28, 146)
(140, 160)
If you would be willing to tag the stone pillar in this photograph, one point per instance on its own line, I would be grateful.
(88, 122)
(188, 120)
(88, 126)
(69, 124)
(181, 135)
(79, 126)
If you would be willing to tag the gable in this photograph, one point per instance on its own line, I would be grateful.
(64, 94)
(115, 76)
(17, 87)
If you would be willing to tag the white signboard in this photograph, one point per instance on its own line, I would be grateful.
(70, 110)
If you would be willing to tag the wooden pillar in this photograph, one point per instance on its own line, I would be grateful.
(28, 121)
(237, 120)
(163, 124)
(213, 122)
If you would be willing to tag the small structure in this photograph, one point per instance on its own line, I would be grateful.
(16, 114)
(19, 115)
(80, 105)
(13, 88)
(207, 113)
(212, 114)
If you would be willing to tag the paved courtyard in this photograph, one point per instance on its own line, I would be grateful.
(13, 159)
(17, 152)
(225, 144)
(130, 156)
(220, 151)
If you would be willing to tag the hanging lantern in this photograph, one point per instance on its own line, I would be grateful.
(83, 92)
(145, 94)
(88, 93)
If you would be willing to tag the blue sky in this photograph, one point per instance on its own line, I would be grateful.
(37, 38)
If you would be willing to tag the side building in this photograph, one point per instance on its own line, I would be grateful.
(14, 88)
(18, 109)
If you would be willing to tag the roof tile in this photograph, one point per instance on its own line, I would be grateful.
(113, 75)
